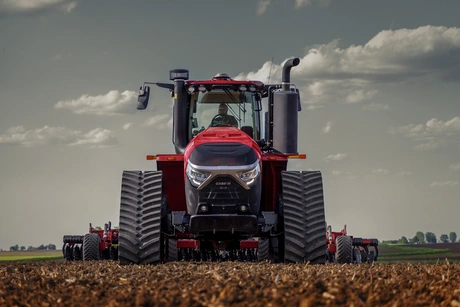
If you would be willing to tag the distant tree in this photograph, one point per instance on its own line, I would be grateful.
(444, 238)
(30, 248)
(98, 228)
(23, 248)
(415, 239)
(41, 247)
(420, 236)
(14, 248)
(51, 247)
(453, 237)
(403, 240)
(431, 237)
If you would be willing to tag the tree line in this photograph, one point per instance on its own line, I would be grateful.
(16, 247)
(428, 237)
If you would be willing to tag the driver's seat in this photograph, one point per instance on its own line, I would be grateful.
(248, 130)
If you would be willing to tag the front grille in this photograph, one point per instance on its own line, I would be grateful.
(223, 194)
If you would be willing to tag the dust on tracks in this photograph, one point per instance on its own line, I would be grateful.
(50, 283)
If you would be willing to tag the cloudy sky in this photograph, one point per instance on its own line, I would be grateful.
(380, 86)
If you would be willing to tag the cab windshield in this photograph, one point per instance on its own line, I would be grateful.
(222, 107)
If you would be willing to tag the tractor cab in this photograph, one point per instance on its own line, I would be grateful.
(223, 102)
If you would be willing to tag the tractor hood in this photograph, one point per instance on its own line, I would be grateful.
(225, 145)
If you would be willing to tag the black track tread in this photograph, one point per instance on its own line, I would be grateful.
(91, 246)
(140, 217)
(304, 217)
(263, 249)
(173, 253)
(344, 253)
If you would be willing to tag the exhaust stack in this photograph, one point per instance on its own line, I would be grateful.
(180, 120)
(285, 113)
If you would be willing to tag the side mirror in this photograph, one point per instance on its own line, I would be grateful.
(143, 98)
(194, 122)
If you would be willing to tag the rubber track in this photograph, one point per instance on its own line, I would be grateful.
(263, 249)
(344, 253)
(91, 246)
(140, 217)
(304, 218)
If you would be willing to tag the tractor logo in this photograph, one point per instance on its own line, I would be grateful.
(223, 183)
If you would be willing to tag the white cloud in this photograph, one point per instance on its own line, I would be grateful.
(127, 126)
(304, 3)
(380, 171)
(98, 137)
(404, 173)
(336, 157)
(326, 71)
(18, 7)
(455, 167)
(375, 107)
(428, 146)
(262, 6)
(326, 129)
(444, 184)
(431, 135)
(359, 95)
(161, 121)
(112, 103)
(348, 175)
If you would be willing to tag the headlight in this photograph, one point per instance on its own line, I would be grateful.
(251, 175)
(196, 177)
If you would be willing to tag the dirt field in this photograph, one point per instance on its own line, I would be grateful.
(105, 283)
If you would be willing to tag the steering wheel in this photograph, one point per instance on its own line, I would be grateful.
(220, 123)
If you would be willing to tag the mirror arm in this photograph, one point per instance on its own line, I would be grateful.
(163, 85)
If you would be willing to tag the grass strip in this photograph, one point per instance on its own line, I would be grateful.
(29, 258)
(416, 252)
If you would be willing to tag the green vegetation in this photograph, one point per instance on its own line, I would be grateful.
(30, 255)
(413, 251)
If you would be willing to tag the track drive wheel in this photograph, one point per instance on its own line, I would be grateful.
(140, 218)
(91, 247)
(304, 218)
(344, 252)
(263, 249)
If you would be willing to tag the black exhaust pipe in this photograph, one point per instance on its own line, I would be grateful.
(180, 119)
(285, 109)
(180, 122)
(286, 82)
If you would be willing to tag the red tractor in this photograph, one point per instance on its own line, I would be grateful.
(342, 248)
(96, 245)
(225, 194)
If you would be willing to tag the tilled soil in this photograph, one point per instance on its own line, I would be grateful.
(105, 283)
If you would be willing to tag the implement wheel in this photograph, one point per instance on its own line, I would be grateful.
(140, 218)
(173, 253)
(91, 246)
(344, 252)
(304, 219)
(263, 249)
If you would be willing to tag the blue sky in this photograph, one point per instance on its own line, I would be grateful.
(379, 84)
